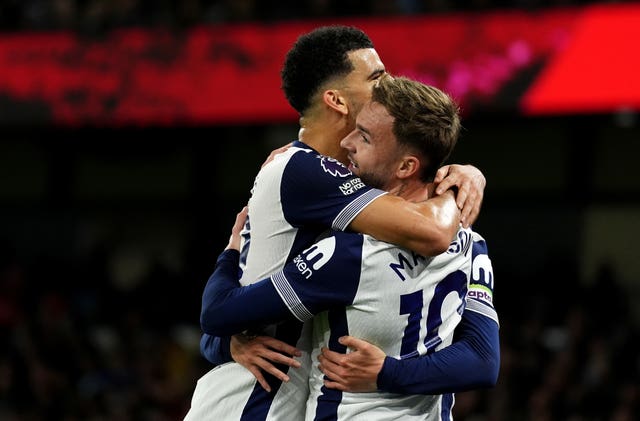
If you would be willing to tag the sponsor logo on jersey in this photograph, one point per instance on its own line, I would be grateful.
(315, 256)
(334, 167)
(480, 293)
(482, 271)
(351, 186)
(302, 266)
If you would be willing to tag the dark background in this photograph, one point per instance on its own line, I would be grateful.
(107, 236)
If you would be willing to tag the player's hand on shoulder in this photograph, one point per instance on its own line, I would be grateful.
(259, 354)
(275, 152)
(470, 183)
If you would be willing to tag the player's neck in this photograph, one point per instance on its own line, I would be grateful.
(324, 138)
(412, 190)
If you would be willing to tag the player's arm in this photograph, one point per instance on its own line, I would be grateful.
(254, 353)
(426, 227)
(469, 182)
(227, 307)
(216, 350)
(258, 354)
(335, 198)
(472, 361)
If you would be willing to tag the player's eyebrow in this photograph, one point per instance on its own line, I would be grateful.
(377, 73)
(361, 128)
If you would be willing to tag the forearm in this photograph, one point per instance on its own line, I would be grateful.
(228, 308)
(426, 228)
(217, 350)
(471, 362)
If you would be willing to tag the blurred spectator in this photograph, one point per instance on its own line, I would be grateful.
(97, 16)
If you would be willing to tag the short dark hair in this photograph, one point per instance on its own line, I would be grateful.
(426, 119)
(317, 57)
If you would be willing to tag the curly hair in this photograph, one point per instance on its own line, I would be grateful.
(317, 57)
(426, 119)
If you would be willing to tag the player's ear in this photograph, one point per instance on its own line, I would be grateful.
(334, 99)
(409, 166)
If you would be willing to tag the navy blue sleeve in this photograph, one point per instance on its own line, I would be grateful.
(318, 278)
(320, 191)
(228, 308)
(472, 361)
(323, 276)
(216, 350)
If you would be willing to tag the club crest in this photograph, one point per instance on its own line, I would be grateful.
(334, 167)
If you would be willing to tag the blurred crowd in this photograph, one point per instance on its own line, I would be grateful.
(96, 16)
(77, 344)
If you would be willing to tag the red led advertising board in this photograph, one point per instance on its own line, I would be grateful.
(597, 71)
(567, 61)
